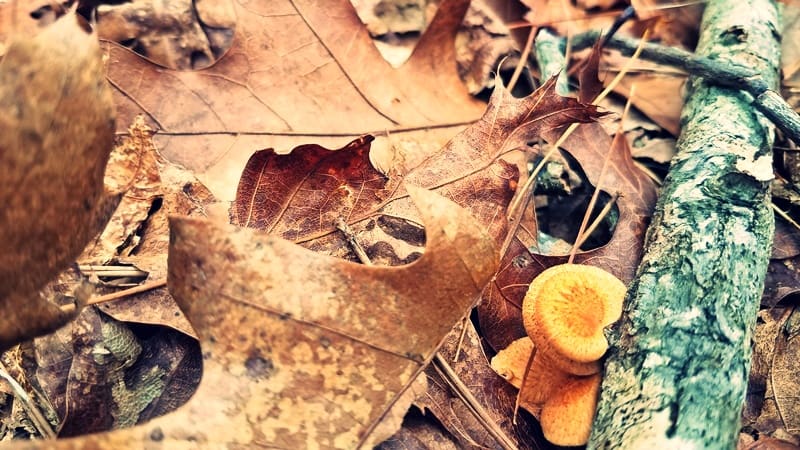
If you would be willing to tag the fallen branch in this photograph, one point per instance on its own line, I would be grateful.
(740, 75)
(677, 371)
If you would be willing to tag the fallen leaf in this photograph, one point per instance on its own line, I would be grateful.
(767, 329)
(768, 443)
(672, 22)
(418, 433)
(783, 279)
(657, 96)
(56, 132)
(306, 353)
(179, 193)
(301, 195)
(99, 375)
(490, 391)
(131, 168)
(566, 17)
(780, 413)
(292, 72)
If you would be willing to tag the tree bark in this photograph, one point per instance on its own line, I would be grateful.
(677, 369)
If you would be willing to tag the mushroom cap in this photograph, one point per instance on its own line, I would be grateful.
(544, 377)
(559, 362)
(567, 416)
(511, 361)
(542, 382)
(566, 309)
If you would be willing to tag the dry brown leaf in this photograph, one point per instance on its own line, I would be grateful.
(100, 375)
(493, 394)
(307, 354)
(56, 132)
(768, 443)
(658, 96)
(783, 279)
(779, 415)
(790, 50)
(674, 23)
(301, 195)
(292, 72)
(131, 168)
(179, 193)
(566, 17)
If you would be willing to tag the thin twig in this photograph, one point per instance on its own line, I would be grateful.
(520, 201)
(461, 337)
(522, 59)
(583, 233)
(111, 271)
(722, 73)
(128, 292)
(785, 216)
(462, 391)
(36, 416)
(361, 254)
(597, 221)
(528, 365)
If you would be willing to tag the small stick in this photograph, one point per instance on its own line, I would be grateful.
(522, 386)
(522, 58)
(451, 378)
(584, 234)
(597, 221)
(361, 254)
(518, 204)
(112, 271)
(722, 73)
(127, 292)
(36, 416)
(785, 216)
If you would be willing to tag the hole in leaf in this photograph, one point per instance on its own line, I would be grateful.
(38, 13)
(562, 197)
(200, 60)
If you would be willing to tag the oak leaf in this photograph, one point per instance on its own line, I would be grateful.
(300, 196)
(302, 349)
(289, 68)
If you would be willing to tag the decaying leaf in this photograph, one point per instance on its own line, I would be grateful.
(494, 395)
(292, 71)
(300, 196)
(311, 350)
(131, 168)
(100, 375)
(779, 415)
(56, 131)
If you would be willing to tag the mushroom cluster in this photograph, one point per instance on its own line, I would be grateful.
(565, 311)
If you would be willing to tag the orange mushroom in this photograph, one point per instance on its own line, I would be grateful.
(542, 380)
(567, 416)
(511, 361)
(565, 311)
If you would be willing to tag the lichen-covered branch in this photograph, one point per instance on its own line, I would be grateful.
(551, 60)
(677, 371)
(723, 72)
